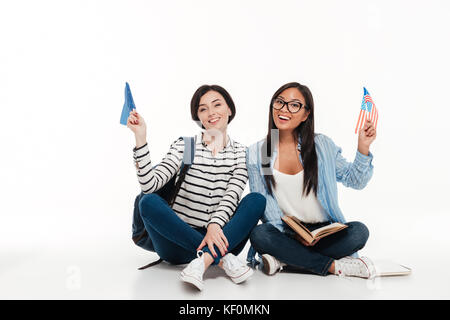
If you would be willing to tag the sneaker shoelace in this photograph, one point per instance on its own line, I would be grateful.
(193, 265)
(233, 263)
(353, 267)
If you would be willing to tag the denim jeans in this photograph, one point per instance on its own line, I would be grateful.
(265, 238)
(176, 242)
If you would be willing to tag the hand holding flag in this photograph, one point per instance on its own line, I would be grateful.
(132, 119)
(366, 136)
(368, 112)
(366, 126)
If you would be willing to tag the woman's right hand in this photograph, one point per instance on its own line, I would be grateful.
(137, 124)
(215, 236)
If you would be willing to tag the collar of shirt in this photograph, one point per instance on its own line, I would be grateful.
(229, 145)
(275, 152)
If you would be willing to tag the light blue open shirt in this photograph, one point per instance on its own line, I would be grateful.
(332, 168)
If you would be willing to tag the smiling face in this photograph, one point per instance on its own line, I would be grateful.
(213, 111)
(285, 120)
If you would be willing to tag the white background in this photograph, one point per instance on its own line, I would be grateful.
(66, 170)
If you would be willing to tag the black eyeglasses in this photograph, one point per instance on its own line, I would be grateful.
(292, 106)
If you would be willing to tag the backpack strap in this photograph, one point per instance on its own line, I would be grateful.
(151, 264)
(189, 150)
(188, 159)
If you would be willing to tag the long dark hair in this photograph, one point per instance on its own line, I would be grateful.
(308, 147)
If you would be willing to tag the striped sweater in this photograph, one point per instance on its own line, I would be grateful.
(212, 187)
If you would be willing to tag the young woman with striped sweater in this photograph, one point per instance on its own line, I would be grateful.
(208, 223)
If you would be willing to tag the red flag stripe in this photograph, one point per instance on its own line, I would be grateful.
(376, 120)
(359, 118)
(364, 120)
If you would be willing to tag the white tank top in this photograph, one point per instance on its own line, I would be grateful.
(290, 198)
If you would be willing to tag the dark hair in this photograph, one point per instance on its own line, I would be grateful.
(195, 101)
(308, 148)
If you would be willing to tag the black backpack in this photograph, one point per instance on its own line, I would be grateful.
(168, 192)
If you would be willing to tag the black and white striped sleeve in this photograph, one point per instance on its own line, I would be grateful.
(150, 178)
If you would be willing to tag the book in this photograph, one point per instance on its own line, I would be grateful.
(388, 268)
(311, 237)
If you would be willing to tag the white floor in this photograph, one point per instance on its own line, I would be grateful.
(91, 263)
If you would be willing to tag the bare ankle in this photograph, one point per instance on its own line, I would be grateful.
(208, 259)
(331, 269)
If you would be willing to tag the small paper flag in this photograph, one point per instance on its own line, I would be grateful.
(127, 106)
(368, 112)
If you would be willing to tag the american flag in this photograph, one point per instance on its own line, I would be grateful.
(368, 111)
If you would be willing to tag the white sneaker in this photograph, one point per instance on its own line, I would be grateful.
(193, 273)
(271, 265)
(355, 267)
(236, 269)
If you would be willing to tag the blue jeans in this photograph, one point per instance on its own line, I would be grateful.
(265, 238)
(176, 242)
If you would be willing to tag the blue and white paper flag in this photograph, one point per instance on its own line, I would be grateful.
(127, 106)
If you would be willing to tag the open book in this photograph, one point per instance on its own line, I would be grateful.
(312, 237)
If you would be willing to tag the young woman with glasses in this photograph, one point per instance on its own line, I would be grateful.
(207, 224)
(298, 175)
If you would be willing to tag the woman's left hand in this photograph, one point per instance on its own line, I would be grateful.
(366, 136)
